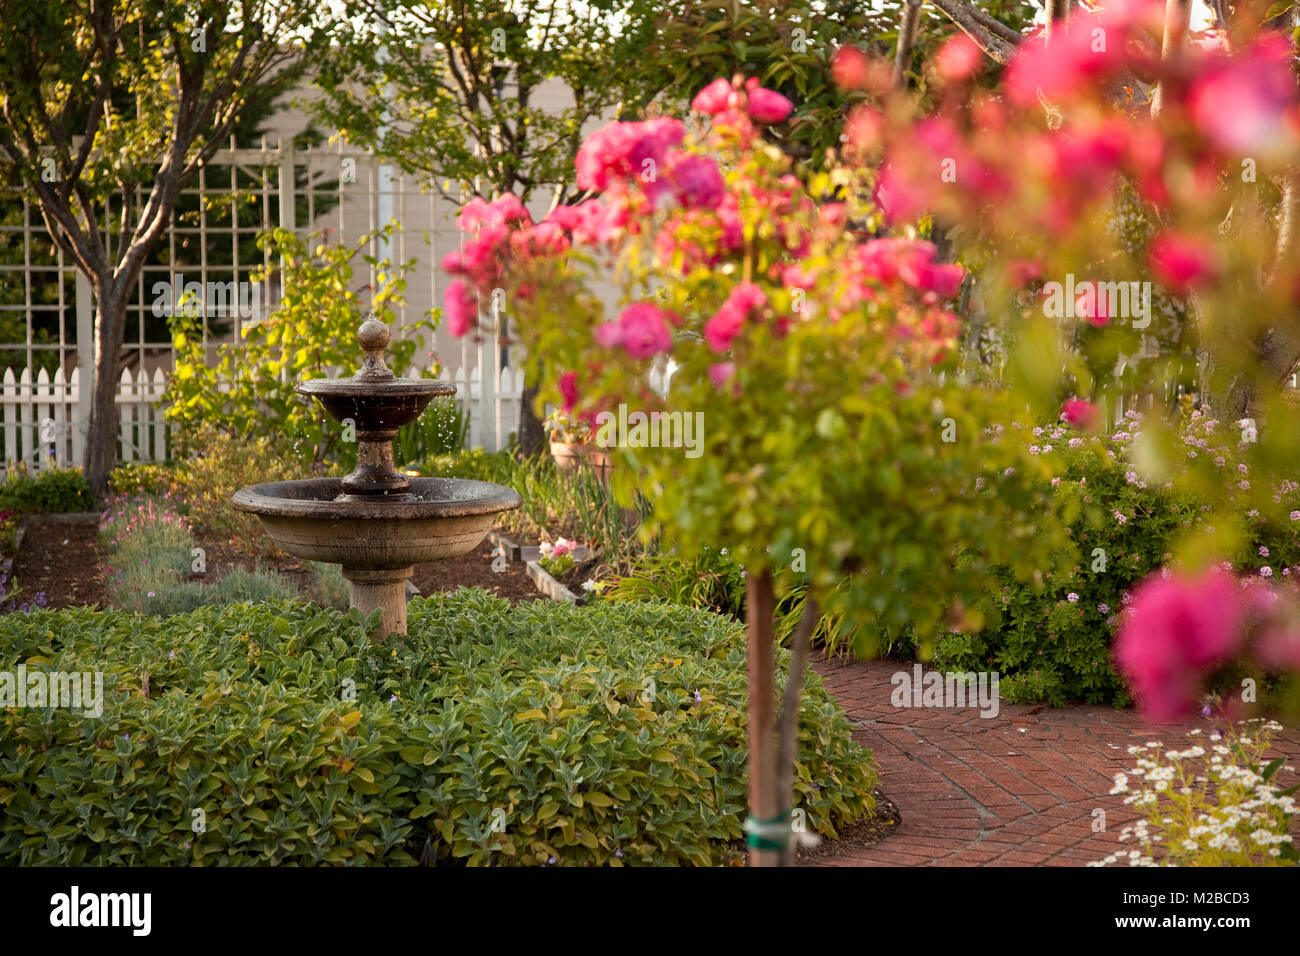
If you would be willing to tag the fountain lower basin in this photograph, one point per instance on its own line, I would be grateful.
(377, 541)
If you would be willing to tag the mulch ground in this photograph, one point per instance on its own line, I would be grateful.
(63, 561)
(856, 837)
(1018, 789)
(474, 570)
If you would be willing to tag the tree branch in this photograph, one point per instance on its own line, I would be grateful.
(789, 724)
(975, 23)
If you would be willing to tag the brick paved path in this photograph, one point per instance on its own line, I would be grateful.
(1018, 789)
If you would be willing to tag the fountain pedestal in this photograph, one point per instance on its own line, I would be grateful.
(383, 590)
(377, 523)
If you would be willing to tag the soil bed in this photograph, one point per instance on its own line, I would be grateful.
(63, 561)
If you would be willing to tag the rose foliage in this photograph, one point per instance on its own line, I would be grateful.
(820, 366)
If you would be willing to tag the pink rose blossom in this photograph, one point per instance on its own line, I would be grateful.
(1175, 630)
(768, 106)
(1080, 414)
(1182, 262)
(505, 209)
(850, 68)
(714, 98)
(460, 308)
(696, 182)
(568, 385)
(721, 372)
(721, 330)
(640, 329)
(958, 58)
(620, 151)
(1242, 104)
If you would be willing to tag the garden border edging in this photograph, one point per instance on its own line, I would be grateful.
(549, 587)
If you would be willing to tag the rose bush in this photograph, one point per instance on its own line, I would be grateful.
(825, 363)
(1171, 177)
(837, 435)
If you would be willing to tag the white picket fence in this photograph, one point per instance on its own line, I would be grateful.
(43, 421)
(494, 411)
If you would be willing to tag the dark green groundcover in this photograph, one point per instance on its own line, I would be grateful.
(277, 733)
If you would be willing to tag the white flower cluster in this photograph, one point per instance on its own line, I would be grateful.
(1230, 809)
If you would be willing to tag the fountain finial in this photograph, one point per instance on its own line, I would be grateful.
(373, 337)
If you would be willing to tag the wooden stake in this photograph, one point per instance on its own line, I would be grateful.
(764, 801)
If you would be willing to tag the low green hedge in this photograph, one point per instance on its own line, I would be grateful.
(53, 491)
(540, 734)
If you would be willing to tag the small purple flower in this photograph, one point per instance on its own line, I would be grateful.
(698, 698)
(172, 655)
(1072, 598)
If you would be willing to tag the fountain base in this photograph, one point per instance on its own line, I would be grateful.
(382, 590)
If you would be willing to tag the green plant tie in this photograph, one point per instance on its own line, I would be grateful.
(773, 834)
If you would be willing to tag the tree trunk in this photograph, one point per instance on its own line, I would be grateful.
(101, 432)
(532, 439)
(1057, 12)
(911, 21)
(789, 752)
(764, 801)
(1229, 400)
(1178, 15)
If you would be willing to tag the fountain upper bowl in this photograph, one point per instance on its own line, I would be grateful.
(375, 404)
(442, 518)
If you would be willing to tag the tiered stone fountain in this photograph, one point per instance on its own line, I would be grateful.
(376, 523)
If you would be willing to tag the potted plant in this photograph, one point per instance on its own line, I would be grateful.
(571, 443)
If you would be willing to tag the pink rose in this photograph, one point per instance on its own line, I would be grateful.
(1175, 631)
(568, 385)
(1241, 105)
(714, 98)
(460, 308)
(864, 129)
(1182, 262)
(1081, 414)
(696, 182)
(640, 329)
(768, 106)
(620, 151)
(958, 59)
(721, 372)
(721, 330)
(849, 68)
(505, 209)
(943, 280)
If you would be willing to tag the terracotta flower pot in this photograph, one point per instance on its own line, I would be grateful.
(570, 456)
